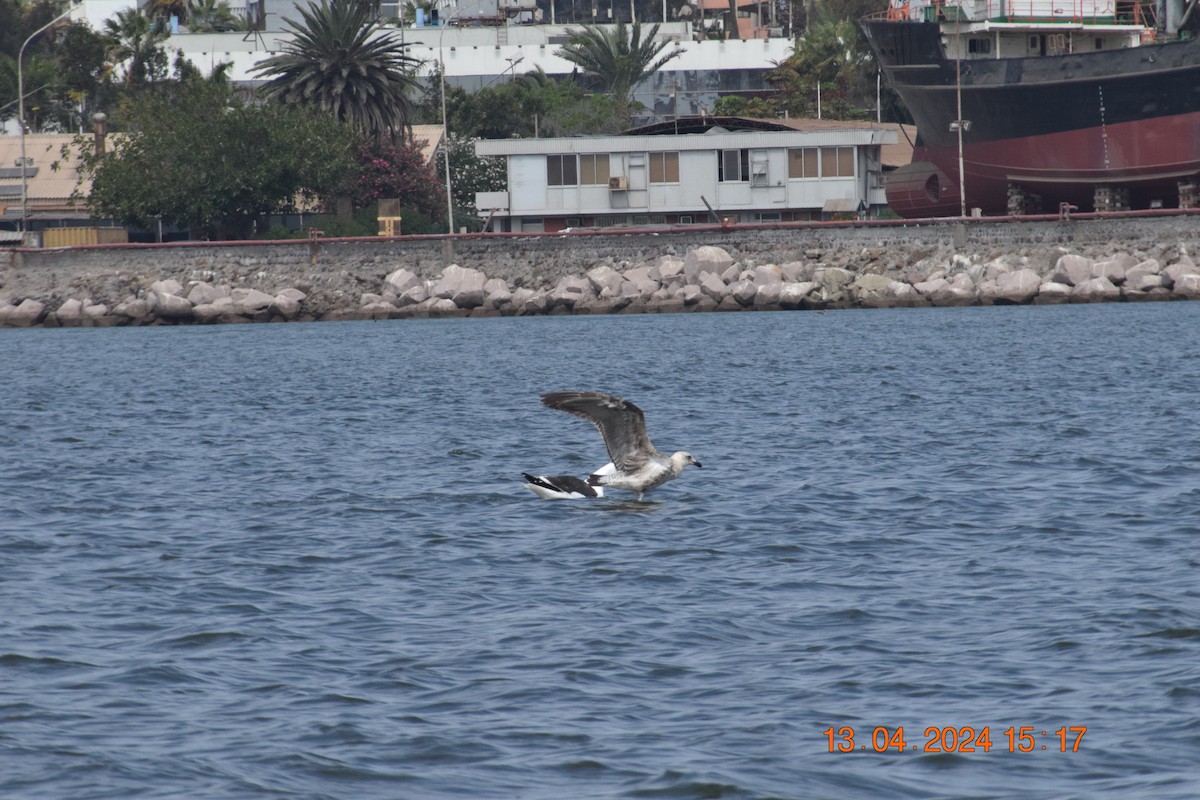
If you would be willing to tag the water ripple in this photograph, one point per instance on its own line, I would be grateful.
(296, 561)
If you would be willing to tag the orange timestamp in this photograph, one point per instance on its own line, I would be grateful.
(949, 739)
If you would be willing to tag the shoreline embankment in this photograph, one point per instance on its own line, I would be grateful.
(1108, 258)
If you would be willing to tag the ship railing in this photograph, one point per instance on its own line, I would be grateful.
(1124, 12)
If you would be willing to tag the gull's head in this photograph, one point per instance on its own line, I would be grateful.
(682, 459)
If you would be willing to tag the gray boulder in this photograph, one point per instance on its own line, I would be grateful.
(767, 273)
(498, 293)
(412, 296)
(711, 284)
(402, 280)
(285, 305)
(568, 290)
(1095, 290)
(169, 286)
(958, 291)
(1113, 269)
(768, 294)
(1173, 273)
(27, 312)
(134, 308)
(795, 271)
(379, 310)
(669, 267)
(743, 291)
(931, 286)
(219, 310)
(832, 280)
(203, 292)
(250, 301)
(70, 313)
(705, 259)
(1141, 269)
(1187, 286)
(691, 294)
(604, 277)
(1138, 281)
(1071, 269)
(1053, 293)
(461, 285)
(1019, 287)
(172, 307)
(793, 293)
(906, 296)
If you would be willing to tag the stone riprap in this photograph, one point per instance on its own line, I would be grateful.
(228, 284)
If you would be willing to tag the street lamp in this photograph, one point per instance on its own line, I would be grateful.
(960, 125)
(21, 112)
(446, 120)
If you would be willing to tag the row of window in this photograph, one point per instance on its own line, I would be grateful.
(732, 166)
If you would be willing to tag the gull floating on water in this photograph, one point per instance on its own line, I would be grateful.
(637, 465)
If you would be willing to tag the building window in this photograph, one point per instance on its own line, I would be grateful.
(593, 170)
(562, 171)
(733, 165)
(802, 162)
(837, 162)
(664, 167)
(980, 46)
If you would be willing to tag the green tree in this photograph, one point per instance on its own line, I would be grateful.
(85, 72)
(341, 59)
(212, 16)
(830, 54)
(618, 59)
(198, 158)
(732, 105)
(161, 11)
(135, 41)
(469, 174)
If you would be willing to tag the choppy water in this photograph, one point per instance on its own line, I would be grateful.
(297, 562)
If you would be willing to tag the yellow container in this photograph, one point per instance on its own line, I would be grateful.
(78, 237)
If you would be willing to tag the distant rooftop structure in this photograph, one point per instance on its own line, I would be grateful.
(51, 178)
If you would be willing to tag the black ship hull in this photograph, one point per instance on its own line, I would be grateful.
(1066, 129)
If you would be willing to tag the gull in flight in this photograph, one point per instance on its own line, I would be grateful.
(636, 466)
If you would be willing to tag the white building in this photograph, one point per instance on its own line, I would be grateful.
(692, 171)
(480, 51)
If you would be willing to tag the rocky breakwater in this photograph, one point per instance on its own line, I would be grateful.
(706, 278)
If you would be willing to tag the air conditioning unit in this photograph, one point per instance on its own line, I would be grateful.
(618, 184)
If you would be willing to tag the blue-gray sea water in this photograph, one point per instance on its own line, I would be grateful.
(297, 561)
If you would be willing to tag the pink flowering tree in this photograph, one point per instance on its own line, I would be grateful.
(392, 169)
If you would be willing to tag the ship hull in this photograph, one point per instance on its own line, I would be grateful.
(1055, 127)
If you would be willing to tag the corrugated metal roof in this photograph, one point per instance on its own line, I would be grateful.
(431, 135)
(845, 134)
(51, 175)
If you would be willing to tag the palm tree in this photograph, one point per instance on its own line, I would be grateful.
(165, 9)
(342, 60)
(618, 59)
(204, 16)
(135, 40)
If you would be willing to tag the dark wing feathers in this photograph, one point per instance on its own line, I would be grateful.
(561, 483)
(621, 423)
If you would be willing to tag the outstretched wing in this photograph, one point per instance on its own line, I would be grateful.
(621, 423)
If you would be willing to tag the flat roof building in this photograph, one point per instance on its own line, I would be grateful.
(695, 170)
